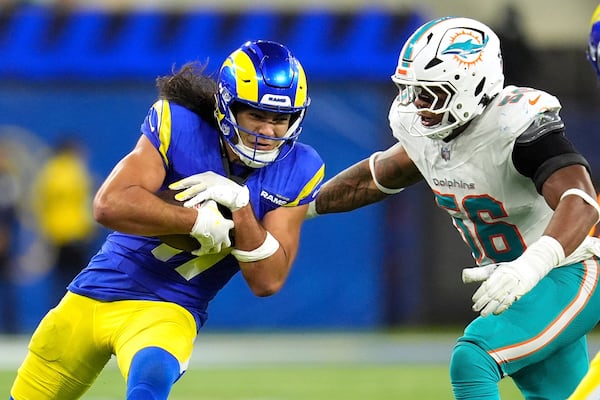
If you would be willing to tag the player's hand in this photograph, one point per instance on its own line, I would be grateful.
(511, 280)
(211, 186)
(478, 274)
(211, 229)
(506, 284)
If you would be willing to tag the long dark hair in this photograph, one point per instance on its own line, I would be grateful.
(191, 88)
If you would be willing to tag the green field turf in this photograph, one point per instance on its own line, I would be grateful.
(296, 382)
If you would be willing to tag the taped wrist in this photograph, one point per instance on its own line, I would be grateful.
(542, 255)
(312, 210)
(381, 188)
(265, 250)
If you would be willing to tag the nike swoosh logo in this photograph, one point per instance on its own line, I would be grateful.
(534, 100)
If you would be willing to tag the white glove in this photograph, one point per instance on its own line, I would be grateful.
(211, 229)
(478, 274)
(506, 284)
(511, 280)
(211, 186)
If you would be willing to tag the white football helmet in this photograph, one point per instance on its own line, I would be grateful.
(458, 57)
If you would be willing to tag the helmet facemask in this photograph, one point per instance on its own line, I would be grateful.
(439, 96)
(252, 156)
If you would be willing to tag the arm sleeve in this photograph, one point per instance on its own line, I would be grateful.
(538, 159)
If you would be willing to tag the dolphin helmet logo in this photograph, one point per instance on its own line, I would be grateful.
(466, 46)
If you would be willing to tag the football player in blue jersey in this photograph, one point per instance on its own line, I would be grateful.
(231, 142)
(589, 387)
(498, 161)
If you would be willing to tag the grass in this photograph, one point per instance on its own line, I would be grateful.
(297, 366)
(296, 382)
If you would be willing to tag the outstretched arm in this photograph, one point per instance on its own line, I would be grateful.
(354, 187)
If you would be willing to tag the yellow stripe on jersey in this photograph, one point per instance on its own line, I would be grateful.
(316, 179)
(163, 115)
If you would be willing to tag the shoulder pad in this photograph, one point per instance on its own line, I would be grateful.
(543, 124)
(517, 107)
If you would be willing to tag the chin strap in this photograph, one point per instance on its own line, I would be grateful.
(239, 178)
(381, 188)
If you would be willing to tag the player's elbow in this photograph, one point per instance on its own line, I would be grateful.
(103, 211)
(266, 277)
(266, 288)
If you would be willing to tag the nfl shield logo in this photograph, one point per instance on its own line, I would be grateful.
(445, 153)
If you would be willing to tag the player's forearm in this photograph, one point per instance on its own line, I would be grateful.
(570, 192)
(266, 277)
(263, 260)
(350, 189)
(138, 212)
(571, 222)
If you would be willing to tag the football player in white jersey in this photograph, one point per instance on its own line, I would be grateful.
(519, 193)
(589, 387)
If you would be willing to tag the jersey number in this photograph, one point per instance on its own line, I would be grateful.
(192, 268)
(516, 96)
(491, 237)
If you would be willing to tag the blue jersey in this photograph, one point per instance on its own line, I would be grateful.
(131, 267)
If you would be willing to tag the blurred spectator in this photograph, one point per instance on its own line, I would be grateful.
(62, 201)
(9, 195)
(518, 56)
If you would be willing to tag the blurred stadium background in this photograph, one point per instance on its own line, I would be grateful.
(89, 66)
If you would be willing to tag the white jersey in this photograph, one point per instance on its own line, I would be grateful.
(497, 211)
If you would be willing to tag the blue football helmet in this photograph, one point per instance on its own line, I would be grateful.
(264, 75)
(594, 41)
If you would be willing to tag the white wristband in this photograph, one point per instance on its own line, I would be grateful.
(381, 188)
(586, 197)
(267, 249)
(542, 255)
